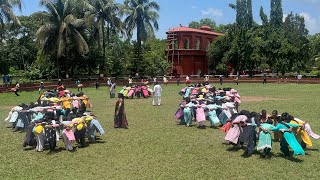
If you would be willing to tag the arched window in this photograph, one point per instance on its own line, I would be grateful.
(197, 45)
(208, 44)
(175, 44)
(186, 44)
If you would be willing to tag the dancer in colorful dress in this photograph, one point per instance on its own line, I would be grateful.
(288, 136)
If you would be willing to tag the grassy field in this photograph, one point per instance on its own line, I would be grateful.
(155, 147)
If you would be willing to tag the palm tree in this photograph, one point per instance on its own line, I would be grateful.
(62, 27)
(103, 15)
(142, 15)
(6, 13)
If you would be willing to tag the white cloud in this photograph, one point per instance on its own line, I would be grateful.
(212, 12)
(194, 7)
(312, 23)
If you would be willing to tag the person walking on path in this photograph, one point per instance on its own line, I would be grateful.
(157, 94)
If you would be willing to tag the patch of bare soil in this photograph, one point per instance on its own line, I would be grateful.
(6, 107)
(258, 98)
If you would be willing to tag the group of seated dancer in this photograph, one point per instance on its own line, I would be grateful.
(250, 127)
(138, 91)
(203, 102)
(57, 114)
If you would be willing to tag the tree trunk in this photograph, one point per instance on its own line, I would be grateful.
(139, 50)
(108, 34)
(101, 68)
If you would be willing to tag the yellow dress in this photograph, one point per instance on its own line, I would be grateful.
(66, 103)
(301, 133)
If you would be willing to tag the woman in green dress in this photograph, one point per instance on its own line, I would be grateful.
(265, 139)
(288, 136)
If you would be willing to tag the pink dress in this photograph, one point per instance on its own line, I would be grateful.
(200, 116)
(234, 133)
(69, 134)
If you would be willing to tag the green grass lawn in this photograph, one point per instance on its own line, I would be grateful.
(155, 147)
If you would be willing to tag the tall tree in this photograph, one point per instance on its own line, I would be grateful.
(7, 14)
(203, 22)
(244, 17)
(264, 17)
(105, 16)
(194, 24)
(142, 15)
(276, 13)
(62, 27)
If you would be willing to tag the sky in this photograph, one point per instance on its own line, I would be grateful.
(175, 12)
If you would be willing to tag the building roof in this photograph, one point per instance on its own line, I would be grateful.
(187, 29)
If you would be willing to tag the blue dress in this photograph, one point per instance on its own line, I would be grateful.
(290, 138)
(187, 113)
(212, 115)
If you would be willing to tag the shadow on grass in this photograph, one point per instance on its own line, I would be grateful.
(52, 152)
(233, 149)
(97, 142)
(290, 158)
(311, 149)
(29, 148)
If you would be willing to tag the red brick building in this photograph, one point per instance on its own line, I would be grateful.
(187, 49)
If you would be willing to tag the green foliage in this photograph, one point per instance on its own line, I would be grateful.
(154, 61)
(143, 16)
(203, 22)
(7, 15)
(282, 47)
(62, 29)
(276, 13)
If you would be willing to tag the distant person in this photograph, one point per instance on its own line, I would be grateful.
(129, 81)
(154, 80)
(41, 87)
(165, 80)
(59, 82)
(112, 89)
(299, 78)
(178, 81)
(206, 79)
(237, 80)
(187, 80)
(109, 82)
(5, 80)
(16, 89)
(97, 84)
(157, 94)
(264, 79)
(120, 118)
(79, 85)
(220, 80)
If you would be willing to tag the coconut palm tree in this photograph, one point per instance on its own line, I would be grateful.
(62, 27)
(6, 13)
(142, 16)
(103, 15)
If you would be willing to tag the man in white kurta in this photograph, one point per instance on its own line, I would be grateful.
(156, 94)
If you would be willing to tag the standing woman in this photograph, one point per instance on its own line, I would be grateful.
(120, 119)
(112, 89)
